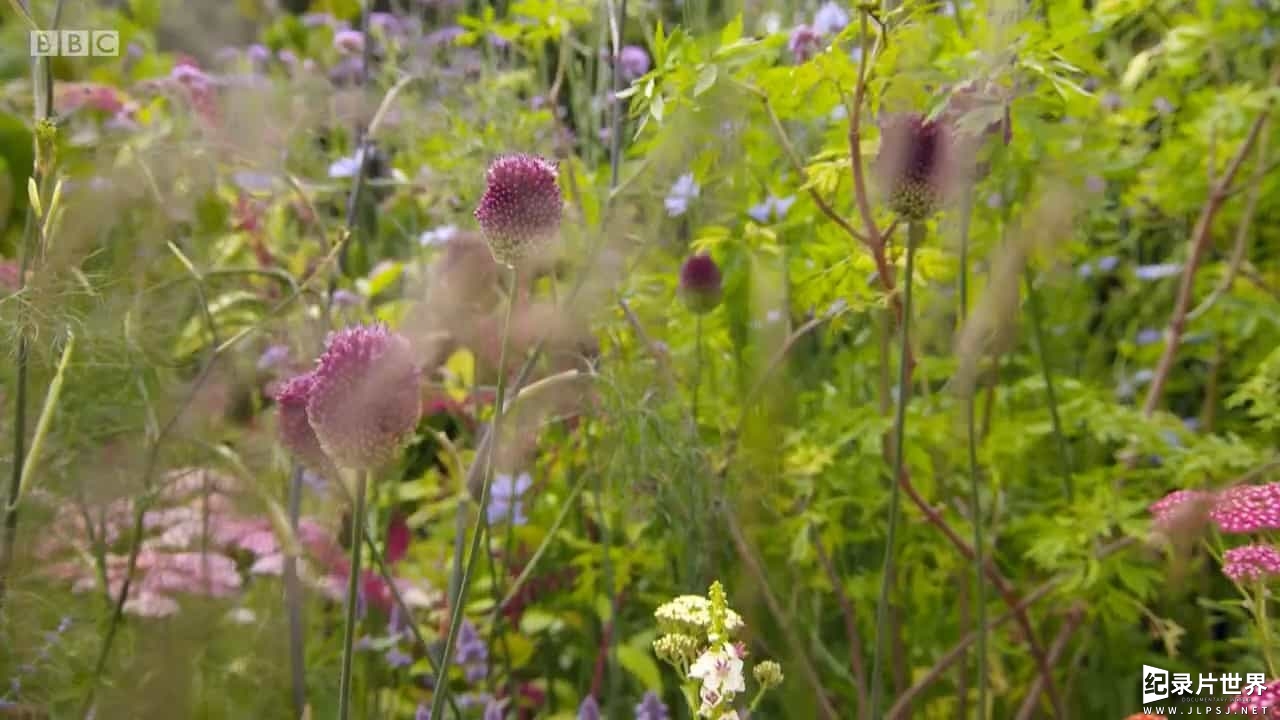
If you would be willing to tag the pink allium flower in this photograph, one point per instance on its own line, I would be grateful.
(521, 206)
(1255, 698)
(1251, 562)
(1248, 508)
(1181, 511)
(365, 396)
(9, 275)
(804, 43)
(912, 164)
(700, 284)
(296, 433)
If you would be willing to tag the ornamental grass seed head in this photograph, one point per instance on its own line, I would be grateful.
(365, 396)
(521, 207)
(700, 284)
(913, 164)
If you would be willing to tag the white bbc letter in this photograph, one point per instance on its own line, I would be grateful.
(104, 43)
(75, 43)
(44, 43)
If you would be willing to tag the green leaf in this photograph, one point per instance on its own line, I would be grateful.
(641, 664)
(706, 78)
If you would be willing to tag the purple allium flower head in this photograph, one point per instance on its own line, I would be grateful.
(633, 62)
(830, 18)
(911, 164)
(589, 709)
(1248, 508)
(804, 43)
(1251, 562)
(365, 396)
(296, 433)
(700, 284)
(521, 206)
(651, 707)
(349, 42)
(682, 192)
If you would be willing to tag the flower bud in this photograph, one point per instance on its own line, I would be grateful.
(768, 673)
(911, 164)
(700, 284)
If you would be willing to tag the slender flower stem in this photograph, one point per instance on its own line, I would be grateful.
(975, 494)
(1037, 325)
(293, 601)
(464, 585)
(915, 235)
(353, 595)
(697, 369)
(1264, 624)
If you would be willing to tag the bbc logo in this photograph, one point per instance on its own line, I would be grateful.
(75, 43)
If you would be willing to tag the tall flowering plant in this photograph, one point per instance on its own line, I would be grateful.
(698, 641)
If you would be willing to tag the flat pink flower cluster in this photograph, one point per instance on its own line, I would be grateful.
(1251, 701)
(1251, 562)
(1240, 509)
(196, 544)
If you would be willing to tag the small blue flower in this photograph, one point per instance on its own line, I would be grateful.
(1191, 423)
(1157, 272)
(273, 357)
(504, 500)
(398, 658)
(438, 236)
(589, 709)
(346, 167)
(830, 18)
(495, 710)
(422, 713)
(1085, 270)
(1108, 263)
(651, 707)
(773, 208)
(1147, 336)
(681, 194)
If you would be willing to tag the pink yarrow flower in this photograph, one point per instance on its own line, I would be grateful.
(1256, 696)
(1247, 508)
(1251, 562)
(1181, 511)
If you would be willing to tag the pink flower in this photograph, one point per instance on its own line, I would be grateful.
(296, 433)
(804, 43)
(349, 42)
(1251, 562)
(365, 396)
(521, 206)
(1255, 697)
(1247, 508)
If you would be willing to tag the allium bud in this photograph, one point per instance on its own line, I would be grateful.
(296, 433)
(365, 396)
(911, 164)
(521, 206)
(700, 285)
(768, 673)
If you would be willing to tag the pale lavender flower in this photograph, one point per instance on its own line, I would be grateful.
(345, 167)
(1147, 336)
(504, 500)
(1157, 272)
(633, 61)
(1112, 102)
(589, 709)
(830, 19)
(346, 298)
(804, 43)
(681, 194)
(349, 42)
(995, 200)
(1162, 106)
(258, 53)
(273, 357)
(651, 707)
(422, 713)
(438, 236)
(1095, 184)
(773, 208)
(1107, 263)
(398, 658)
(495, 710)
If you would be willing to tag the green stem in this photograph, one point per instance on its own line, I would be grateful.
(353, 595)
(1037, 325)
(1264, 624)
(975, 495)
(464, 585)
(915, 233)
(697, 369)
